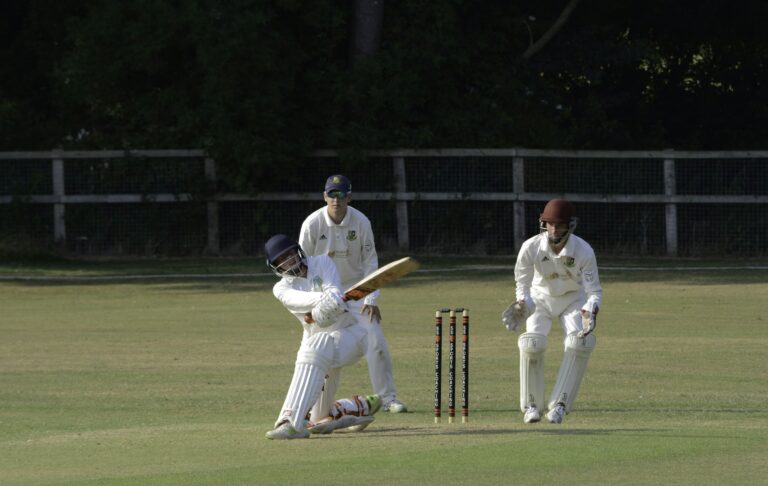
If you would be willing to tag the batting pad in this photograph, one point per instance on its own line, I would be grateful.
(572, 369)
(322, 407)
(312, 362)
(532, 346)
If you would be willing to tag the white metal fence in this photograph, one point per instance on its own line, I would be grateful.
(462, 201)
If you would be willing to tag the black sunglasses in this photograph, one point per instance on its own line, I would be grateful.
(336, 194)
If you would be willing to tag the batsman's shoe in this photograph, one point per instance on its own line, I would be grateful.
(286, 431)
(374, 405)
(361, 423)
(532, 415)
(329, 424)
(394, 406)
(556, 414)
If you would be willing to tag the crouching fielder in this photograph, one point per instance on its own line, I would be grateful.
(333, 340)
(556, 279)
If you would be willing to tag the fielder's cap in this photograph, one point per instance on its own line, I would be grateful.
(338, 182)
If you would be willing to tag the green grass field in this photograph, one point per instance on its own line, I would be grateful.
(175, 381)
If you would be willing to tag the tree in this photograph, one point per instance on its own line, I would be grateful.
(369, 15)
(260, 84)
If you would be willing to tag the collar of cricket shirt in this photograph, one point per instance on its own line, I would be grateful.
(332, 223)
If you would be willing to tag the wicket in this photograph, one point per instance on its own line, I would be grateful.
(452, 364)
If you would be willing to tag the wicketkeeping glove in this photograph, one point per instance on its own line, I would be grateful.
(588, 321)
(516, 314)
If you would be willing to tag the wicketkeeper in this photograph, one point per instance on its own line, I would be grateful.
(333, 340)
(556, 279)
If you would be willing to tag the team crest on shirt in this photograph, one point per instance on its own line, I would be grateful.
(351, 235)
(331, 254)
(569, 261)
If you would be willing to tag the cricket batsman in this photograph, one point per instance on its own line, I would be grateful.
(333, 340)
(556, 279)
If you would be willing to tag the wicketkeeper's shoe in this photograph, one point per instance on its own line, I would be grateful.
(286, 431)
(394, 406)
(532, 415)
(556, 414)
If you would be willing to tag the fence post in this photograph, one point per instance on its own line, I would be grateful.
(212, 208)
(401, 206)
(518, 207)
(670, 208)
(59, 209)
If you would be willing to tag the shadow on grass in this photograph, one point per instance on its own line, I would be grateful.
(169, 284)
(465, 429)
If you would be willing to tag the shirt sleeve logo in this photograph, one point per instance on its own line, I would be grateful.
(351, 235)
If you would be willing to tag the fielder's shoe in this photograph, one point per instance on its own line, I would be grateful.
(556, 414)
(374, 405)
(532, 415)
(286, 431)
(394, 406)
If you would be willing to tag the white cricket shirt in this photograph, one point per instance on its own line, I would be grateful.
(300, 294)
(350, 244)
(574, 268)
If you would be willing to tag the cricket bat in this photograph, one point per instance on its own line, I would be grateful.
(376, 280)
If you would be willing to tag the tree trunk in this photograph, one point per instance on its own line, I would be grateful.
(368, 19)
(554, 29)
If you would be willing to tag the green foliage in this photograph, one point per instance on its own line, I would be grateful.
(259, 84)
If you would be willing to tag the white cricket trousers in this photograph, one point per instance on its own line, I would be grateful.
(565, 308)
(378, 357)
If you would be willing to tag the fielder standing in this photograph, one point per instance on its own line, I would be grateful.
(333, 340)
(344, 234)
(556, 279)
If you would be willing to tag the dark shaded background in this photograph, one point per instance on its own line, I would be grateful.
(261, 83)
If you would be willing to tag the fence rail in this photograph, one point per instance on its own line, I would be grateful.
(418, 200)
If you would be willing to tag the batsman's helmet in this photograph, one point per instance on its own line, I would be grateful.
(278, 246)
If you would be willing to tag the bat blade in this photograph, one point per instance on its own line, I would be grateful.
(381, 277)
